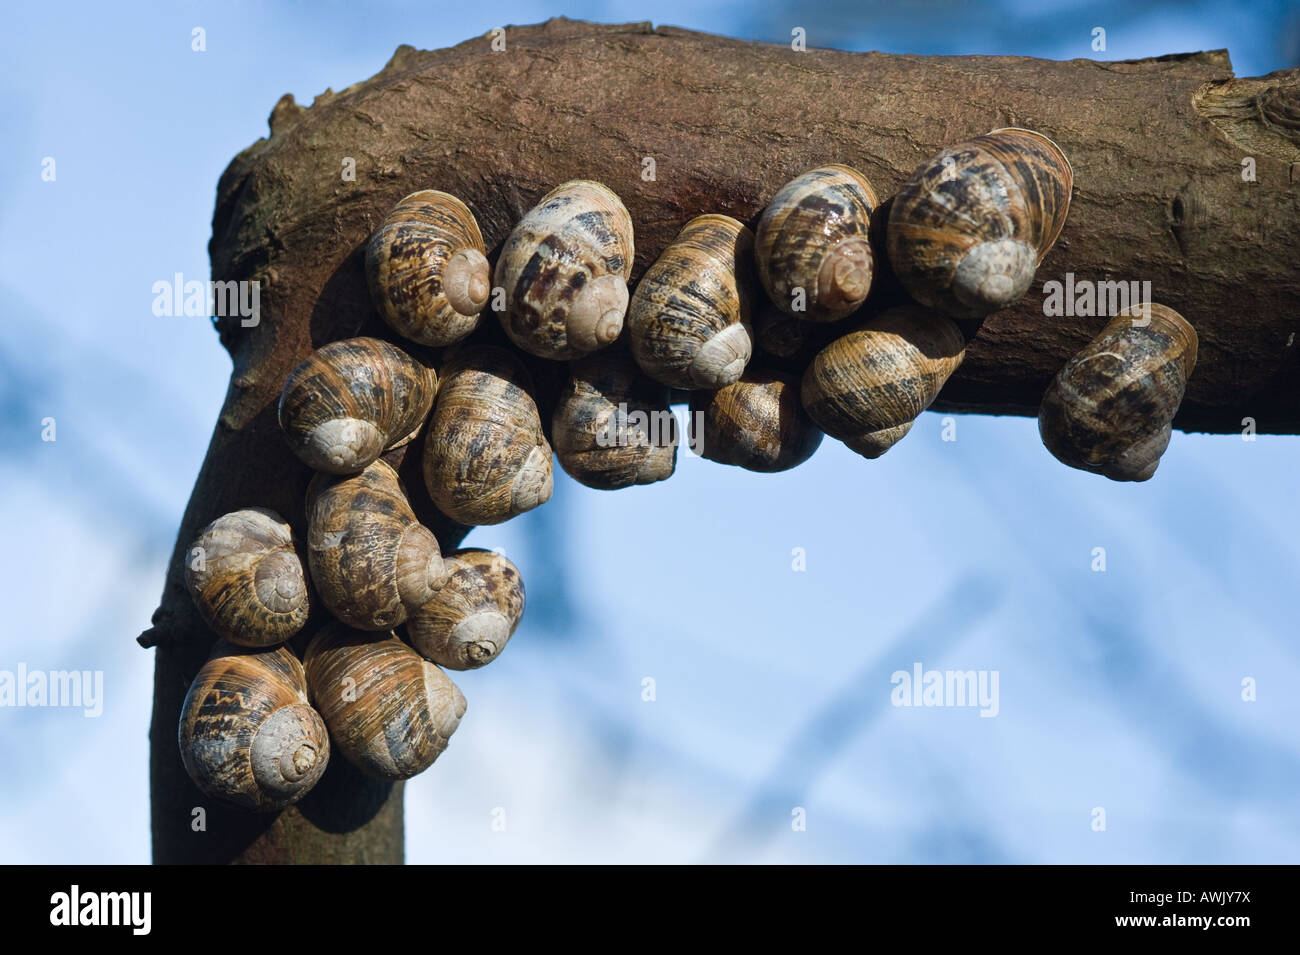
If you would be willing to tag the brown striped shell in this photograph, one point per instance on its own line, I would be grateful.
(1110, 409)
(246, 578)
(388, 711)
(469, 621)
(812, 247)
(755, 423)
(968, 230)
(371, 561)
(612, 426)
(351, 400)
(427, 270)
(247, 734)
(564, 270)
(867, 387)
(689, 317)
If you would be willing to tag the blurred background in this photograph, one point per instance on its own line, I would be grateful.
(1119, 690)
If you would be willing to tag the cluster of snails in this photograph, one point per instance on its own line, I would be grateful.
(766, 330)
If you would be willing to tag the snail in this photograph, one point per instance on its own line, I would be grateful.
(485, 458)
(246, 578)
(867, 387)
(388, 711)
(351, 400)
(564, 269)
(612, 426)
(247, 734)
(755, 423)
(779, 336)
(371, 560)
(689, 317)
(468, 622)
(811, 244)
(1110, 409)
(426, 268)
(968, 230)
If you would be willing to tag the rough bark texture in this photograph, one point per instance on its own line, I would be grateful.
(1157, 149)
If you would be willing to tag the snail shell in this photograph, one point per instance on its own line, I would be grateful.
(689, 317)
(967, 231)
(468, 622)
(1110, 409)
(779, 336)
(247, 734)
(353, 399)
(388, 711)
(565, 269)
(429, 277)
(867, 387)
(814, 236)
(371, 560)
(612, 426)
(485, 458)
(246, 578)
(755, 423)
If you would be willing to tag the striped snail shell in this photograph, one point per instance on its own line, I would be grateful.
(468, 622)
(867, 387)
(689, 317)
(565, 269)
(755, 423)
(247, 734)
(388, 711)
(811, 244)
(1110, 409)
(485, 457)
(371, 560)
(428, 275)
(967, 231)
(351, 400)
(246, 578)
(612, 426)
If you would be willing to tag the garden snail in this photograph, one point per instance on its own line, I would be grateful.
(564, 269)
(811, 244)
(426, 268)
(967, 231)
(689, 317)
(612, 427)
(352, 400)
(755, 423)
(1110, 409)
(468, 622)
(388, 711)
(485, 458)
(868, 386)
(247, 733)
(779, 336)
(246, 578)
(371, 560)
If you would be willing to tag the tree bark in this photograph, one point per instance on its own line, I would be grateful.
(1156, 145)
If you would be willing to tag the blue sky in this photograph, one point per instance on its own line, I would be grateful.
(1119, 690)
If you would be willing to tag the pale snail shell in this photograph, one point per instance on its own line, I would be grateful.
(485, 457)
(389, 712)
(867, 387)
(756, 423)
(1110, 409)
(564, 270)
(469, 621)
(813, 236)
(371, 561)
(968, 230)
(427, 270)
(351, 400)
(689, 320)
(612, 426)
(247, 734)
(246, 578)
